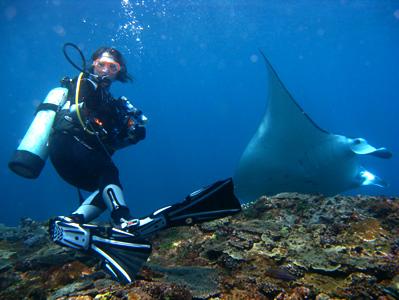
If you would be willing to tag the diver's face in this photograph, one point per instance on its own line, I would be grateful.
(106, 66)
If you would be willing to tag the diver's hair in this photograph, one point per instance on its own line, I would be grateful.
(123, 75)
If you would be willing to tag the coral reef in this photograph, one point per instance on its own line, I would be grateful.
(289, 246)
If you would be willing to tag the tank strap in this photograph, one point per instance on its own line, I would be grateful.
(47, 106)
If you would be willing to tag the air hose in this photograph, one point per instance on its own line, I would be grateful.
(77, 105)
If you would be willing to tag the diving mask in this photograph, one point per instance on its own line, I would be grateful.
(106, 65)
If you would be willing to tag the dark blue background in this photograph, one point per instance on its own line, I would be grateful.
(201, 82)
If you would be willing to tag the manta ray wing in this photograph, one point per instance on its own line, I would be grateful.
(291, 153)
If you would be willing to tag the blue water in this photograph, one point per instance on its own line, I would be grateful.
(200, 80)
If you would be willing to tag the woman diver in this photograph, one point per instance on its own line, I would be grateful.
(88, 129)
(80, 126)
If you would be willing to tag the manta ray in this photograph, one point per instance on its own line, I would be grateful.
(291, 153)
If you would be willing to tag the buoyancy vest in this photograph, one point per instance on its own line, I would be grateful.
(116, 122)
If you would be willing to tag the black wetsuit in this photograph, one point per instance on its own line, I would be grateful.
(83, 159)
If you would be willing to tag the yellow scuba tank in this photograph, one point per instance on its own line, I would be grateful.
(29, 158)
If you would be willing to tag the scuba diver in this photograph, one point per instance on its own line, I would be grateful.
(86, 134)
(80, 126)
